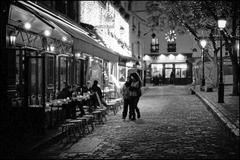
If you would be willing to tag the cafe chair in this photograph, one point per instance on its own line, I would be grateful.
(68, 130)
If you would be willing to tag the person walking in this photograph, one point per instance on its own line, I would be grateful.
(135, 93)
(126, 97)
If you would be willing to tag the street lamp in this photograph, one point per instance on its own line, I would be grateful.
(221, 25)
(203, 44)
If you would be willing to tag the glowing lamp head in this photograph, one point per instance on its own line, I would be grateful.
(52, 48)
(64, 38)
(203, 43)
(27, 25)
(222, 23)
(47, 33)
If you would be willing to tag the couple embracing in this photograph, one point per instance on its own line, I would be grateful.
(131, 92)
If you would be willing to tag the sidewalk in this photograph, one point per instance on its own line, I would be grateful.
(227, 112)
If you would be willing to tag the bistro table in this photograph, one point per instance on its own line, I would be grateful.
(58, 106)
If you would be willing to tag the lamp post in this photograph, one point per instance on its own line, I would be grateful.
(221, 25)
(203, 44)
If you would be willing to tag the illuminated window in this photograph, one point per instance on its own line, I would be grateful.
(154, 45)
(180, 70)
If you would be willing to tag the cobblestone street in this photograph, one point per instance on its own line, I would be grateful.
(173, 124)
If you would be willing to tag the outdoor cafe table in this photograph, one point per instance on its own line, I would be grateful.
(57, 105)
(61, 104)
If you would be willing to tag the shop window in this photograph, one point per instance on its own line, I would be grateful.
(168, 65)
(155, 45)
(28, 82)
(51, 88)
(50, 71)
(183, 73)
(34, 84)
(177, 73)
(156, 70)
(63, 72)
(70, 65)
(168, 70)
(80, 72)
(180, 70)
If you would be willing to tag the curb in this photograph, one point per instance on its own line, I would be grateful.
(233, 128)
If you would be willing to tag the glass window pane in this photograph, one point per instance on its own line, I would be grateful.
(184, 66)
(178, 73)
(50, 70)
(63, 75)
(168, 72)
(156, 69)
(153, 41)
(183, 73)
(168, 65)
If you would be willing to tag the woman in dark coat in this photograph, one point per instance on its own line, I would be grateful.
(135, 93)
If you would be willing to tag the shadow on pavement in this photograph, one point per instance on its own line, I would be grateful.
(139, 121)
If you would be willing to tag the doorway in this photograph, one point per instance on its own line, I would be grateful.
(169, 68)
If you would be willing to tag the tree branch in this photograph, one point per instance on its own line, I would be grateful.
(186, 25)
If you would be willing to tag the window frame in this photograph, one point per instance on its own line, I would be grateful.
(154, 45)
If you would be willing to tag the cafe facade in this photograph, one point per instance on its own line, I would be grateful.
(163, 65)
(46, 52)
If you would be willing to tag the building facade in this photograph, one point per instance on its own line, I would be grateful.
(45, 51)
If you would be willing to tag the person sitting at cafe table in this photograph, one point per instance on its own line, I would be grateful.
(77, 90)
(87, 88)
(66, 93)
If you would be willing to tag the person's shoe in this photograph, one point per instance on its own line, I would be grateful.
(138, 116)
(133, 119)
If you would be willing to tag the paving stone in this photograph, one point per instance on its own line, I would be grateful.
(173, 125)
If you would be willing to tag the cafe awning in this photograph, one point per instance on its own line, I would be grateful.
(82, 42)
